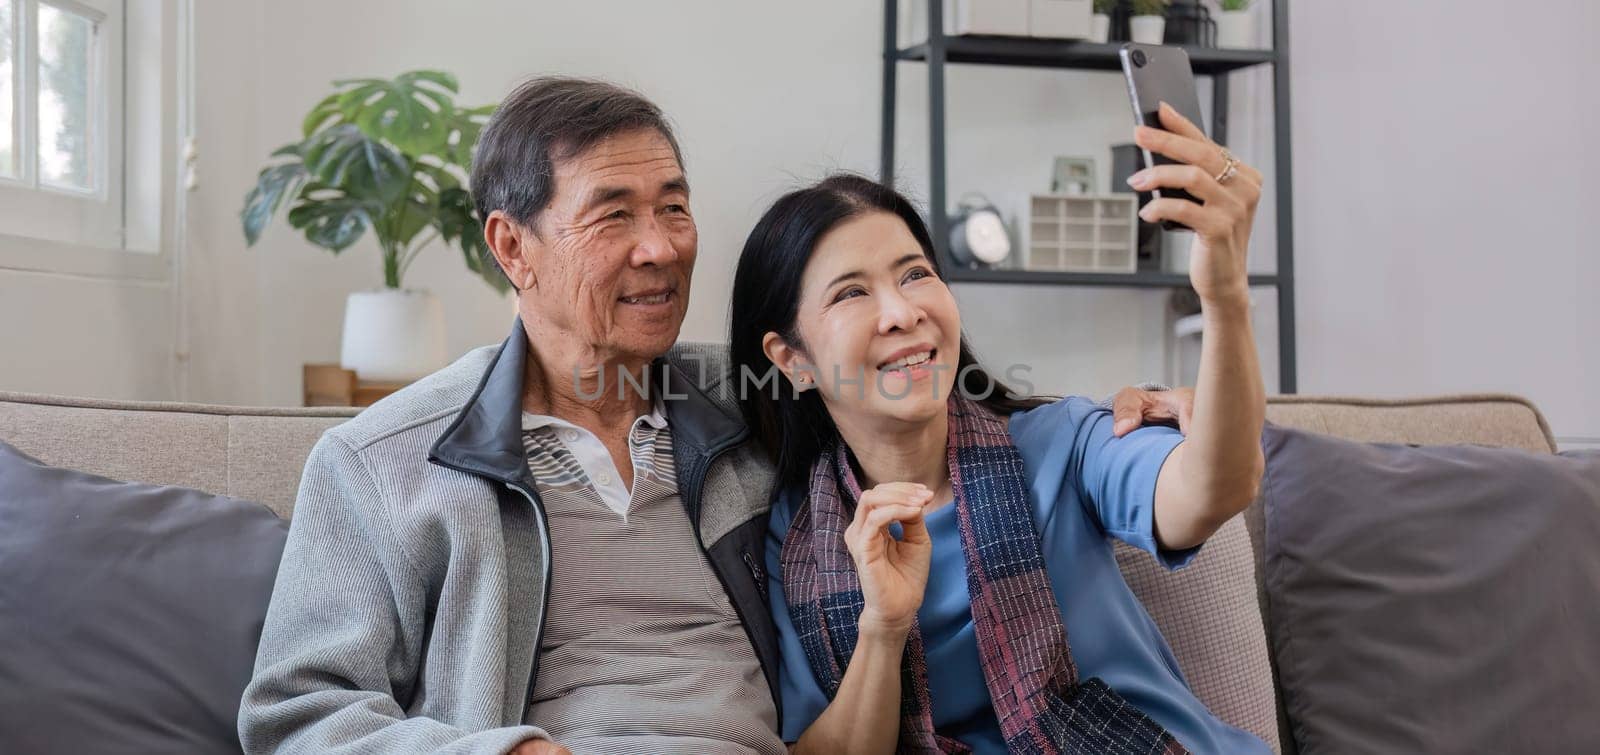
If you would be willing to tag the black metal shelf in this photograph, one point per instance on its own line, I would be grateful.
(959, 274)
(941, 50)
(1074, 54)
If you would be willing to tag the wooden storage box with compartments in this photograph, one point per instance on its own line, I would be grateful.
(1084, 234)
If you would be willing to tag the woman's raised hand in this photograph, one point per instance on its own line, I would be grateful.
(893, 572)
(1230, 190)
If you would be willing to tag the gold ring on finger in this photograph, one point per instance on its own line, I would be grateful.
(1230, 167)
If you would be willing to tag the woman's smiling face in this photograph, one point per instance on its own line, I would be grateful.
(880, 332)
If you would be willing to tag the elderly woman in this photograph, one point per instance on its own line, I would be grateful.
(940, 563)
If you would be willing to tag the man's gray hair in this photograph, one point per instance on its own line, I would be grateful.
(549, 119)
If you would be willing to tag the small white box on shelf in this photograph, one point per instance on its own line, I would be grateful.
(1082, 234)
(1007, 18)
(1060, 19)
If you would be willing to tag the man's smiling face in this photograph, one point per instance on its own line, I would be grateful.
(613, 252)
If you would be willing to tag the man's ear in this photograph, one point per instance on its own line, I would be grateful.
(508, 242)
(794, 364)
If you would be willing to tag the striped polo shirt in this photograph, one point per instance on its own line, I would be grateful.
(642, 651)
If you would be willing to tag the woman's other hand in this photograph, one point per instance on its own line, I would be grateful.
(893, 572)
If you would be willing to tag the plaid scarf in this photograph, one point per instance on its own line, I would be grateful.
(1027, 664)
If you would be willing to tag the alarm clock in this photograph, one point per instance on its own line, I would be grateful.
(978, 236)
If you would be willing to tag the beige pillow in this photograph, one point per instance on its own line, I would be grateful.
(1208, 613)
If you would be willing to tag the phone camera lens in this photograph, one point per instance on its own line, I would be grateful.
(1138, 58)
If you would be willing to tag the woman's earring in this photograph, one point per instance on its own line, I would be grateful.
(803, 383)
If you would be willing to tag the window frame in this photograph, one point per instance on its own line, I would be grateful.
(126, 227)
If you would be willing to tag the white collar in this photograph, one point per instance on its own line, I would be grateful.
(656, 418)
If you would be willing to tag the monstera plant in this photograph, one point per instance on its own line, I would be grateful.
(391, 156)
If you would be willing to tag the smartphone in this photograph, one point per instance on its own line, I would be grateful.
(1157, 74)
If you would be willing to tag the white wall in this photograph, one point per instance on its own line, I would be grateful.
(1445, 200)
(84, 336)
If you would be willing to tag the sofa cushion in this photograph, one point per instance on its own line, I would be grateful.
(1208, 613)
(130, 612)
(1432, 599)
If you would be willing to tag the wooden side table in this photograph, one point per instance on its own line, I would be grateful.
(332, 385)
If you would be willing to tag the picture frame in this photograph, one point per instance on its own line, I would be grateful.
(1072, 176)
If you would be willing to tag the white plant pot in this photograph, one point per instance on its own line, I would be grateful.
(1099, 28)
(392, 335)
(1148, 30)
(1236, 29)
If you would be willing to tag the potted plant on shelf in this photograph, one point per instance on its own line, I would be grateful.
(1149, 23)
(1100, 22)
(391, 155)
(1236, 25)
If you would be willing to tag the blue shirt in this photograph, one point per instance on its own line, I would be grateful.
(1086, 486)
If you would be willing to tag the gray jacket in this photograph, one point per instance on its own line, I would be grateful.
(410, 600)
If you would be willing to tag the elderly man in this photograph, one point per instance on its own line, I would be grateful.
(512, 554)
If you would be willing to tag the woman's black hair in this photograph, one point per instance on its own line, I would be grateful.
(795, 427)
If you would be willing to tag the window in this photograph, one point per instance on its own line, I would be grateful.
(61, 122)
(8, 67)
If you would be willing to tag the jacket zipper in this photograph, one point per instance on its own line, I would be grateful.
(697, 478)
(538, 636)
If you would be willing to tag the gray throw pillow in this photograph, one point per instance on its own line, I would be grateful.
(1441, 599)
(129, 613)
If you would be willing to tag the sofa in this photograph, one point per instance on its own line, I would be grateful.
(1213, 613)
